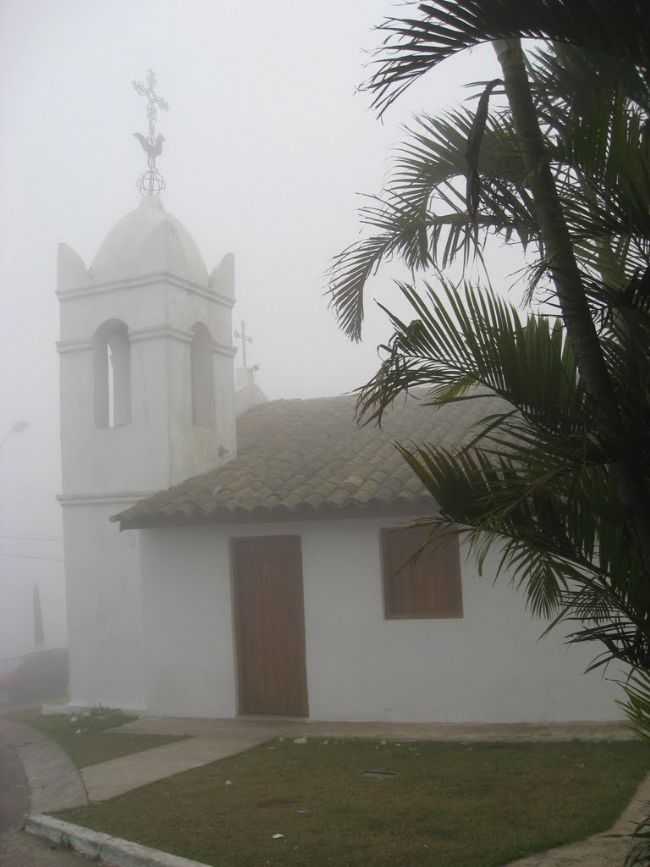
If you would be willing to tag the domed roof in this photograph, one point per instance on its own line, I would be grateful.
(149, 240)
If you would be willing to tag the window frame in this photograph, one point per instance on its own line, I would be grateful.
(389, 596)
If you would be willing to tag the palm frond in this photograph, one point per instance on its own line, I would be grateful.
(554, 555)
(440, 28)
(421, 217)
(601, 163)
(465, 337)
(585, 77)
(637, 707)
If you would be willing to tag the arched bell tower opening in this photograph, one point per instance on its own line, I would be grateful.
(112, 374)
(202, 373)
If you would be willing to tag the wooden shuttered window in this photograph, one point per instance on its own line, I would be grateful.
(421, 574)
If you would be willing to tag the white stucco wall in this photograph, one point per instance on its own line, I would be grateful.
(104, 599)
(488, 667)
(188, 639)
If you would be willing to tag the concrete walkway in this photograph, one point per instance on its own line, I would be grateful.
(30, 761)
(109, 779)
(14, 790)
(54, 782)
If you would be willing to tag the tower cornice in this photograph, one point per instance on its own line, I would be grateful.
(146, 280)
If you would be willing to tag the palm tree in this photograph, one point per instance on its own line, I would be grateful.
(560, 478)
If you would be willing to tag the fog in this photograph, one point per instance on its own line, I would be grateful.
(268, 146)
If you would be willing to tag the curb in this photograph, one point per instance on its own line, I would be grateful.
(102, 848)
(54, 782)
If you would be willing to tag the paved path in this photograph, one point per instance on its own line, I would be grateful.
(17, 849)
(14, 791)
(54, 781)
(112, 778)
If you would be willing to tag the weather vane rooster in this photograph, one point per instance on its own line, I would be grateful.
(151, 182)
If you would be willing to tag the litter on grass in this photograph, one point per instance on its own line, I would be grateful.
(379, 774)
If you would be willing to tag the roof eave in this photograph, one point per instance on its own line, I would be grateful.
(327, 511)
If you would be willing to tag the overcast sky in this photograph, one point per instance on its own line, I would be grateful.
(268, 145)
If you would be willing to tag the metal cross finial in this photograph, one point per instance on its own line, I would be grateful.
(151, 182)
(244, 340)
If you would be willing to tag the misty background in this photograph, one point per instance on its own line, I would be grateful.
(268, 146)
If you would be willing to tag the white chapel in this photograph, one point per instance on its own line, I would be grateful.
(229, 555)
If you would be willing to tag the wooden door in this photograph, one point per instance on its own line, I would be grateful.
(270, 625)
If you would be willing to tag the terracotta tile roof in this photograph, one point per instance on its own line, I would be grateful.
(309, 456)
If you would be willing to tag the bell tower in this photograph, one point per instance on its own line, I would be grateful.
(147, 400)
(147, 393)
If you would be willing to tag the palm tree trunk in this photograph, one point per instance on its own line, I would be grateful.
(554, 232)
(568, 280)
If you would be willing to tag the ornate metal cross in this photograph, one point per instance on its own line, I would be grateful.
(151, 182)
(244, 338)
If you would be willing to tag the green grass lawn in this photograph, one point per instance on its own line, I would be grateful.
(448, 805)
(84, 736)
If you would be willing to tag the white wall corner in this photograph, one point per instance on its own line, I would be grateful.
(71, 271)
(222, 278)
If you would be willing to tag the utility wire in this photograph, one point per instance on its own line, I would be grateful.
(30, 557)
(34, 538)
